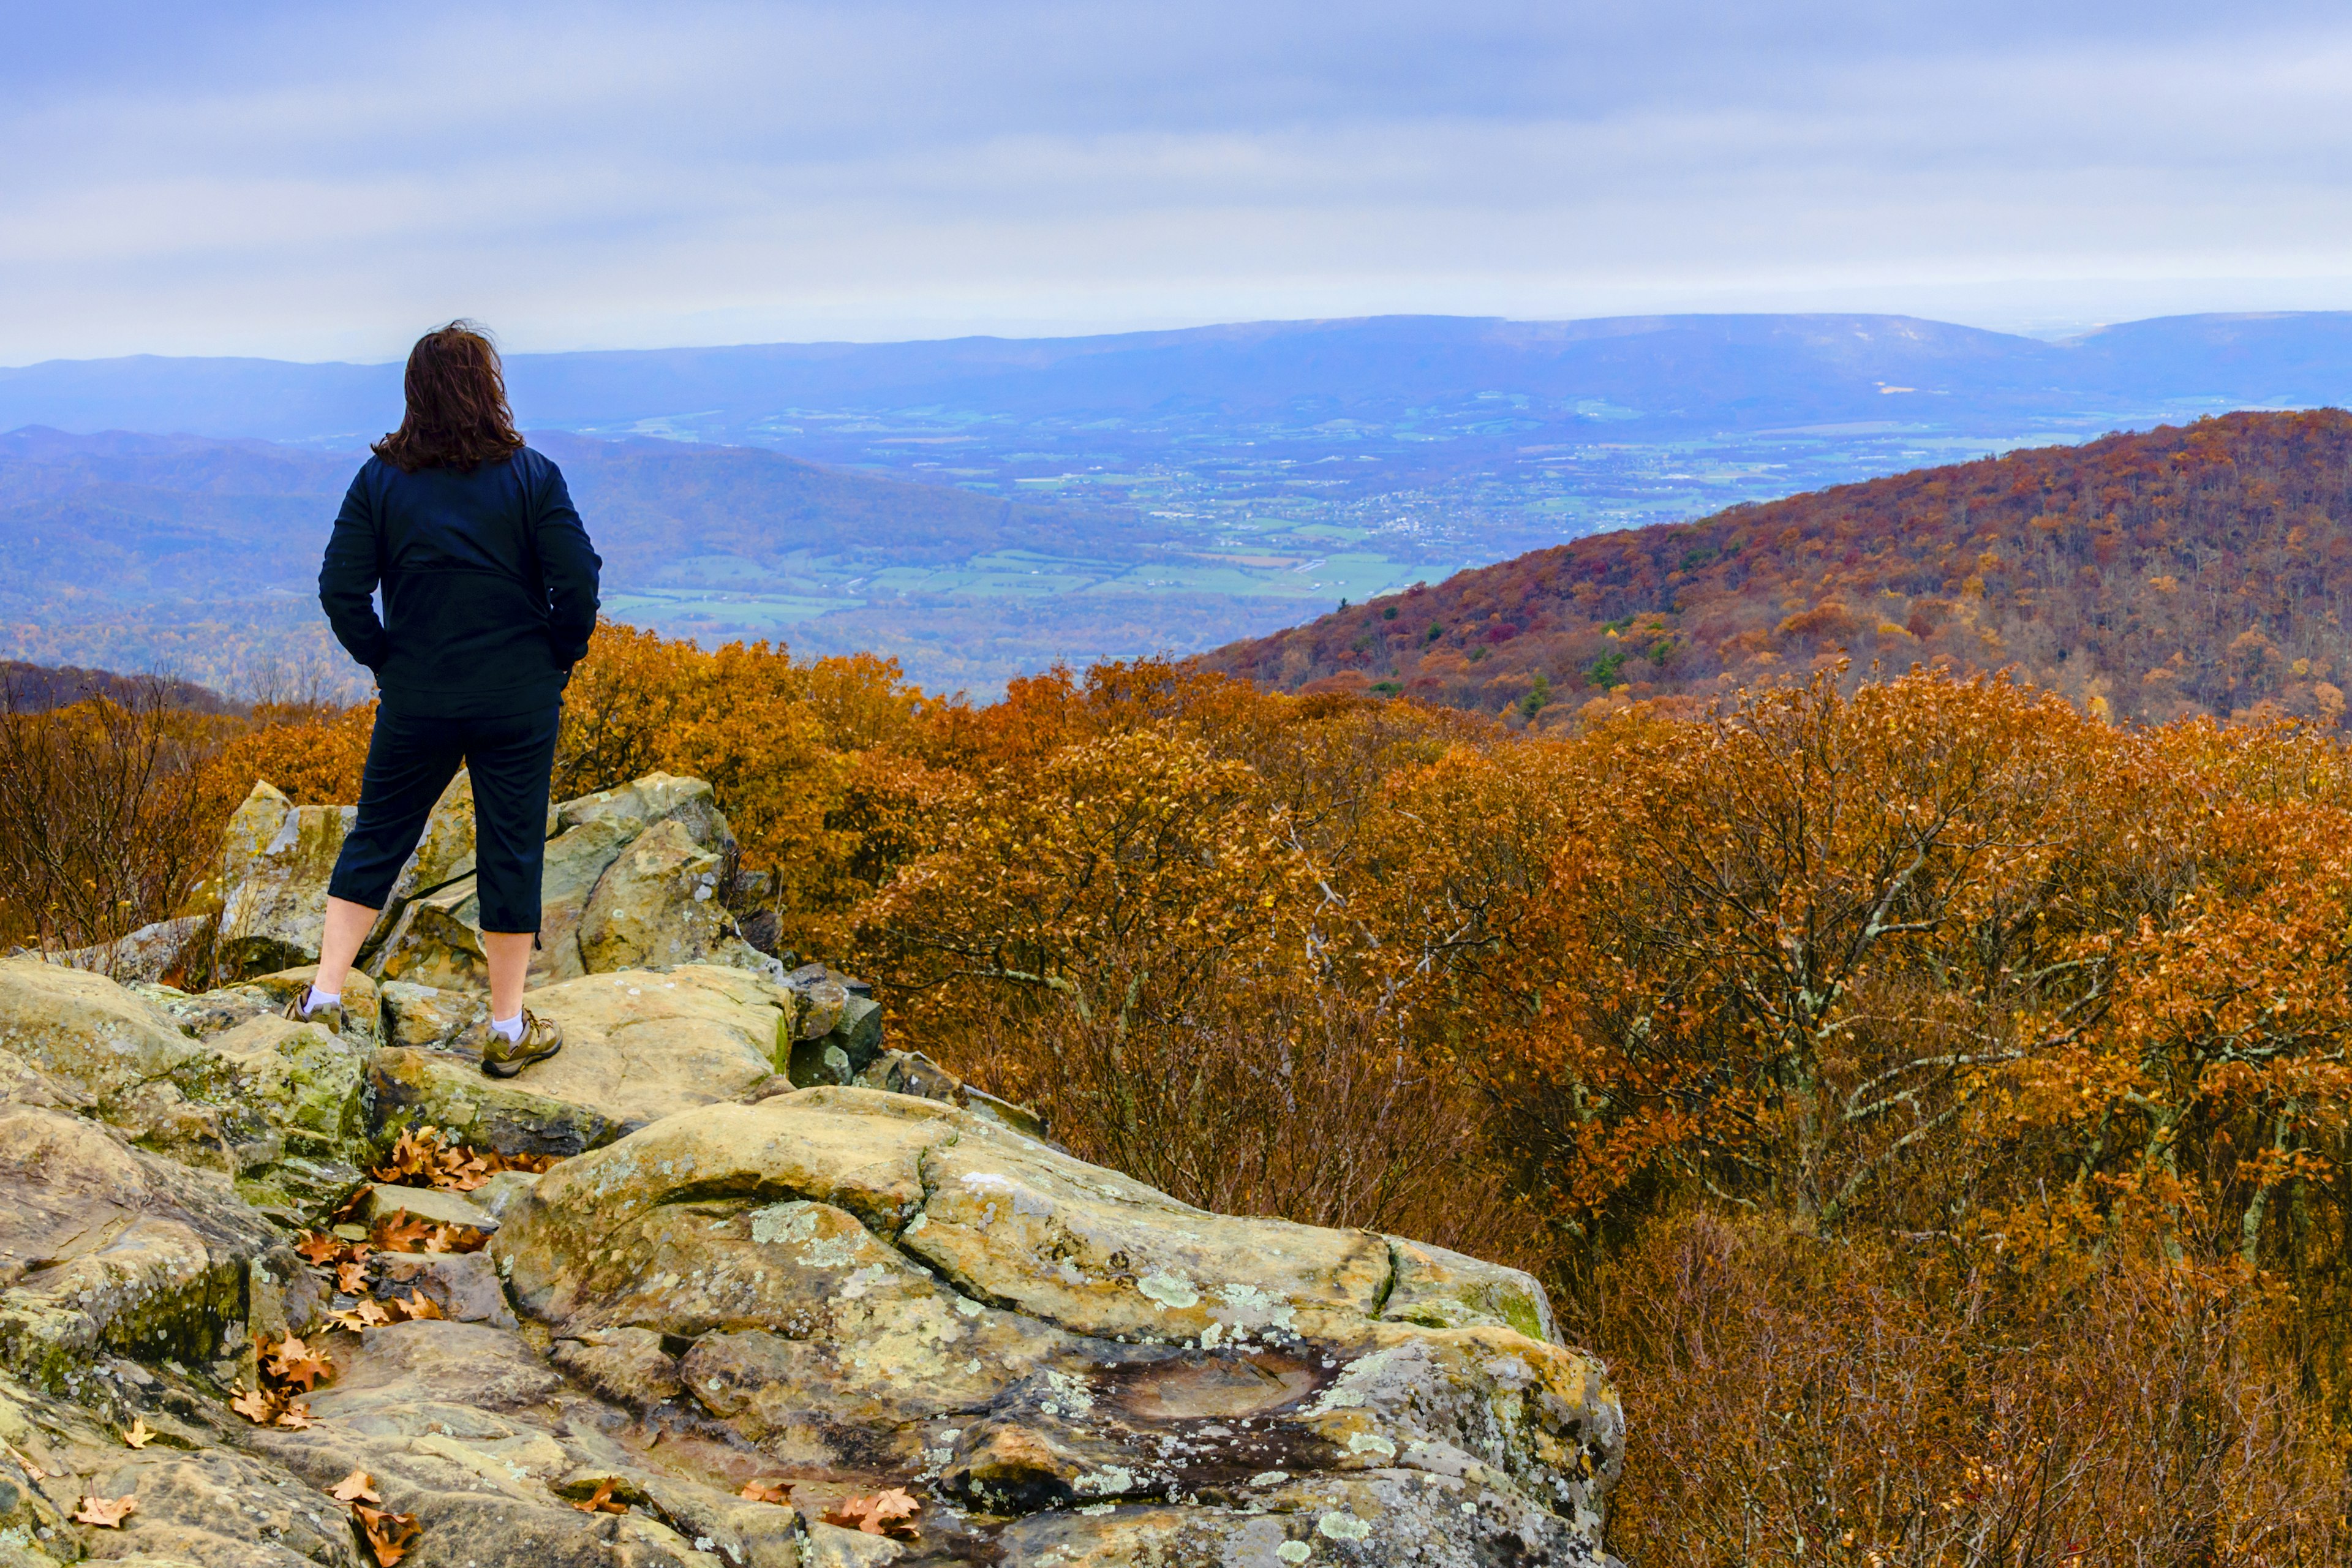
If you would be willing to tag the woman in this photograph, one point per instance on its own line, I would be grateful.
(489, 595)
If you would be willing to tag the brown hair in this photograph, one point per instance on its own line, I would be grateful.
(458, 416)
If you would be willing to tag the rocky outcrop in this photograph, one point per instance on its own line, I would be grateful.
(779, 1254)
(635, 878)
(227, 1086)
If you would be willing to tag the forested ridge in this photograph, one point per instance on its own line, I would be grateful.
(2193, 570)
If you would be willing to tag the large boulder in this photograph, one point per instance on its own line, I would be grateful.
(860, 1283)
(274, 1104)
(103, 1246)
(270, 892)
(635, 877)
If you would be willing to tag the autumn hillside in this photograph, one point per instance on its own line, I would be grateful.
(2187, 569)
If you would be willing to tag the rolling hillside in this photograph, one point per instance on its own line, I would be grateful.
(2197, 569)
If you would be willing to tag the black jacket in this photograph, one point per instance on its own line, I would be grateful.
(489, 585)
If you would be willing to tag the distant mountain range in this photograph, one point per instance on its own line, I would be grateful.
(1089, 496)
(2183, 570)
(1652, 373)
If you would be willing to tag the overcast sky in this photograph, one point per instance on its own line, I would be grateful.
(322, 180)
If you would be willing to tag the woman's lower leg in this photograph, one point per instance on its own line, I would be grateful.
(510, 955)
(347, 926)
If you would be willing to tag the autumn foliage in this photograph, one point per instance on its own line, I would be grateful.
(2196, 570)
(1929, 1096)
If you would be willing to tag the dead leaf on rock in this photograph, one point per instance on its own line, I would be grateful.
(418, 1306)
(350, 1276)
(767, 1491)
(890, 1512)
(297, 1365)
(106, 1512)
(457, 1238)
(257, 1405)
(136, 1434)
(390, 1536)
(601, 1500)
(295, 1418)
(357, 1486)
(400, 1231)
(318, 1247)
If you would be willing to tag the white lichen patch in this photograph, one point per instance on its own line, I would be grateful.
(1169, 1288)
(1372, 1443)
(1072, 1393)
(1293, 1552)
(1339, 1526)
(1109, 1478)
(785, 1222)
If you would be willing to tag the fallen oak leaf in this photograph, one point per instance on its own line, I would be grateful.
(400, 1231)
(298, 1364)
(137, 1434)
(357, 1486)
(106, 1512)
(890, 1512)
(295, 1418)
(457, 1238)
(418, 1306)
(601, 1500)
(257, 1405)
(350, 1276)
(390, 1536)
(350, 1206)
(318, 1247)
(767, 1491)
(25, 1462)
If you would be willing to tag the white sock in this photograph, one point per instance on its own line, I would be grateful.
(318, 999)
(510, 1027)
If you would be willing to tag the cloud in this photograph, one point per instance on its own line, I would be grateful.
(322, 180)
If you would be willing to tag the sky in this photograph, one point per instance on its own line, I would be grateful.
(323, 180)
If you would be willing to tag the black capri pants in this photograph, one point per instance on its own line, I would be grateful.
(410, 761)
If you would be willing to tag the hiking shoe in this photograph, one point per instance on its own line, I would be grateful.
(540, 1040)
(328, 1016)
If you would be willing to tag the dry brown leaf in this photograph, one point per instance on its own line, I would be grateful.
(295, 1418)
(350, 1206)
(297, 1365)
(25, 1462)
(457, 1238)
(350, 1276)
(601, 1500)
(890, 1512)
(357, 1486)
(137, 1434)
(412, 1155)
(400, 1231)
(767, 1491)
(257, 1405)
(106, 1512)
(418, 1306)
(390, 1536)
(318, 1247)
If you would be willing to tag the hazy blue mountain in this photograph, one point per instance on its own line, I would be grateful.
(1713, 371)
(1083, 496)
